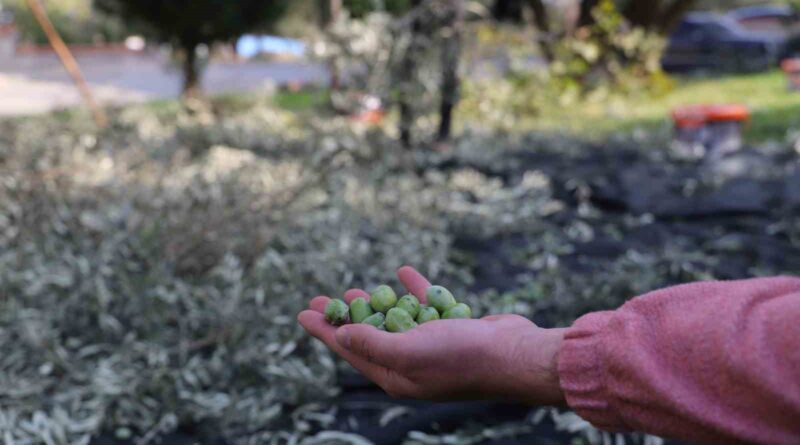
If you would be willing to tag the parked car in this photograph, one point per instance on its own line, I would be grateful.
(715, 42)
(768, 18)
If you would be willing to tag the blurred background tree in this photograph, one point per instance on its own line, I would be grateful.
(597, 45)
(188, 24)
(556, 21)
(304, 18)
(403, 54)
(74, 20)
(434, 30)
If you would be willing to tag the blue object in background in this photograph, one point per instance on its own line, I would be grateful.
(253, 45)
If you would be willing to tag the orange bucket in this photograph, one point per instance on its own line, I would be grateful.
(695, 116)
(702, 130)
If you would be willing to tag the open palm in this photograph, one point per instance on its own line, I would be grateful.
(500, 356)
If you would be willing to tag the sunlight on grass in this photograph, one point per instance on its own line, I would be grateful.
(774, 109)
(301, 100)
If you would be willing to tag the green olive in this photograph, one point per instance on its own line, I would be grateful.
(460, 310)
(359, 310)
(382, 298)
(410, 304)
(398, 320)
(440, 298)
(427, 314)
(375, 319)
(336, 312)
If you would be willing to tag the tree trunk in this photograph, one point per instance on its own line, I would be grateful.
(407, 76)
(659, 16)
(330, 10)
(335, 12)
(191, 73)
(587, 7)
(542, 21)
(406, 121)
(673, 14)
(642, 14)
(507, 10)
(336, 9)
(540, 15)
(451, 52)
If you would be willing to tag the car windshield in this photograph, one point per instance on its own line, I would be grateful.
(711, 26)
(726, 28)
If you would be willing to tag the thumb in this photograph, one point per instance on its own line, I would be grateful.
(371, 344)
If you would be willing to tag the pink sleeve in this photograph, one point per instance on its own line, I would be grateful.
(714, 362)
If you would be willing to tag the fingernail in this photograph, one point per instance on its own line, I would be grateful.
(343, 337)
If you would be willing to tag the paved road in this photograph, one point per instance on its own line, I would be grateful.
(38, 83)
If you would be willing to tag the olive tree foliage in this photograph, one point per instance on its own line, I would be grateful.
(653, 15)
(435, 24)
(556, 23)
(409, 60)
(188, 24)
(73, 19)
(600, 47)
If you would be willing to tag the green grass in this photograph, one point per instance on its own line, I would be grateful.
(774, 108)
(301, 100)
(297, 101)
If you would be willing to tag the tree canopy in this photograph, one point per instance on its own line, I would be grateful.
(186, 24)
(653, 15)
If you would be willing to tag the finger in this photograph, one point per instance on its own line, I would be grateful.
(414, 282)
(318, 304)
(315, 324)
(378, 347)
(352, 294)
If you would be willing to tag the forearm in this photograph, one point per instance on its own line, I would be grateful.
(707, 362)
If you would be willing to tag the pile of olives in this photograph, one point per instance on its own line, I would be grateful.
(388, 313)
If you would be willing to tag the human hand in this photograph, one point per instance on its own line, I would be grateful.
(497, 357)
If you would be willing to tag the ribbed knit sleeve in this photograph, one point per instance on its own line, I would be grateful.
(711, 362)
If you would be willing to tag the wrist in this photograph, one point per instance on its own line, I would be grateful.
(535, 379)
(555, 338)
